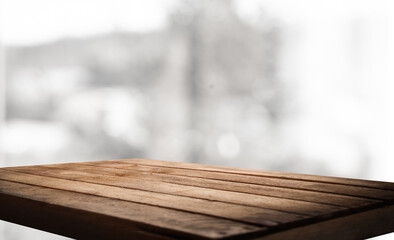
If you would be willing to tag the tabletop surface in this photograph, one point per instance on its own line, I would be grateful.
(150, 199)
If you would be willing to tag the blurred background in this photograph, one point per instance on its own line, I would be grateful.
(299, 86)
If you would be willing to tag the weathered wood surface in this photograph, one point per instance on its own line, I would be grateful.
(149, 199)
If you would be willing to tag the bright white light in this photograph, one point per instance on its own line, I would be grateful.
(228, 145)
(32, 22)
(293, 12)
(35, 136)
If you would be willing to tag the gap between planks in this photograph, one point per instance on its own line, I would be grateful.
(361, 225)
(120, 164)
(280, 192)
(52, 171)
(73, 172)
(245, 214)
(244, 171)
(348, 190)
(139, 217)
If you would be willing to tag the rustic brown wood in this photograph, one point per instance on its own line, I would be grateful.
(141, 183)
(147, 199)
(349, 190)
(307, 177)
(358, 226)
(303, 195)
(98, 211)
(236, 212)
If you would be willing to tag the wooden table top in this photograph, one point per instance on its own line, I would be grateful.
(149, 199)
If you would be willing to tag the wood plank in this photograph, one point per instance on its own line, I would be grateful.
(348, 190)
(74, 224)
(306, 177)
(143, 182)
(302, 195)
(119, 197)
(85, 216)
(246, 214)
(362, 225)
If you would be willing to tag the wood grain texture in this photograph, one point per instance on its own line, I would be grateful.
(357, 226)
(148, 199)
(236, 212)
(306, 177)
(147, 184)
(132, 218)
(287, 193)
(366, 192)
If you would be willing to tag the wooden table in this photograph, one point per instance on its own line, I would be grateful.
(148, 199)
